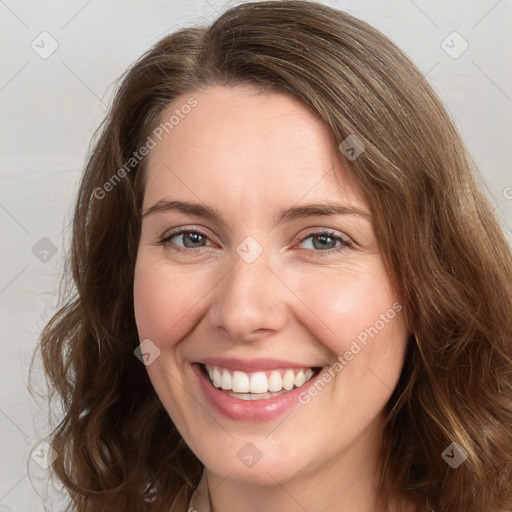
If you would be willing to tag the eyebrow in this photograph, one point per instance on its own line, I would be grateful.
(327, 209)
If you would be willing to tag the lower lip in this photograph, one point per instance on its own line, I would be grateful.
(249, 410)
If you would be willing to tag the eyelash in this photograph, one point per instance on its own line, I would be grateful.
(345, 242)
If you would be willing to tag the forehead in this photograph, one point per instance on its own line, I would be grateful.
(239, 143)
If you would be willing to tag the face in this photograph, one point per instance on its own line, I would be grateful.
(275, 335)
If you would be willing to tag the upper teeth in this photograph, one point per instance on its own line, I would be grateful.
(258, 382)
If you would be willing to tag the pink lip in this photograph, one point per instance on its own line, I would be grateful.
(249, 410)
(252, 365)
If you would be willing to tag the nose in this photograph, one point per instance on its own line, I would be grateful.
(250, 302)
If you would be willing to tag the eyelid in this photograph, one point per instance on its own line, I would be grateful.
(346, 241)
(181, 230)
(326, 231)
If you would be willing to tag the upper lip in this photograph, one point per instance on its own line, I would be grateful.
(253, 365)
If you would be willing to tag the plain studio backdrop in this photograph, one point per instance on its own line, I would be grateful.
(59, 60)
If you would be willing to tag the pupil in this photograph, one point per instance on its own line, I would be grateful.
(322, 239)
(195, 237)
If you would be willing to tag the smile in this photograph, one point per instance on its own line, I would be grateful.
(258, 385)
(257, 390)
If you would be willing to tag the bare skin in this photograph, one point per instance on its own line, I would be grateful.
(304, 299)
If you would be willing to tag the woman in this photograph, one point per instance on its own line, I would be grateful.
(291, 293)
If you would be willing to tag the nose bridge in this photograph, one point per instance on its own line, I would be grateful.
(249, 297)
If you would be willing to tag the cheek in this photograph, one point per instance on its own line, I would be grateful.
(367, 339)
(159, 302)
(149, 304)
(164, 313)
(163, 299)
(349, 306)
(362, 325)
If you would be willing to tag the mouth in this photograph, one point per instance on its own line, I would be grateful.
(257, 385)
(257, 390)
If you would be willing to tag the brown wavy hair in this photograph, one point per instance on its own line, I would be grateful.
(442, 245)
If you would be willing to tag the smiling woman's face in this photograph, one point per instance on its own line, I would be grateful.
(237, 277)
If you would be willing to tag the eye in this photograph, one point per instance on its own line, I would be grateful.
(190, 239)
(324, 241)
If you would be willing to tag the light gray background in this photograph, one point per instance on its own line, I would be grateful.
(50, 108)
